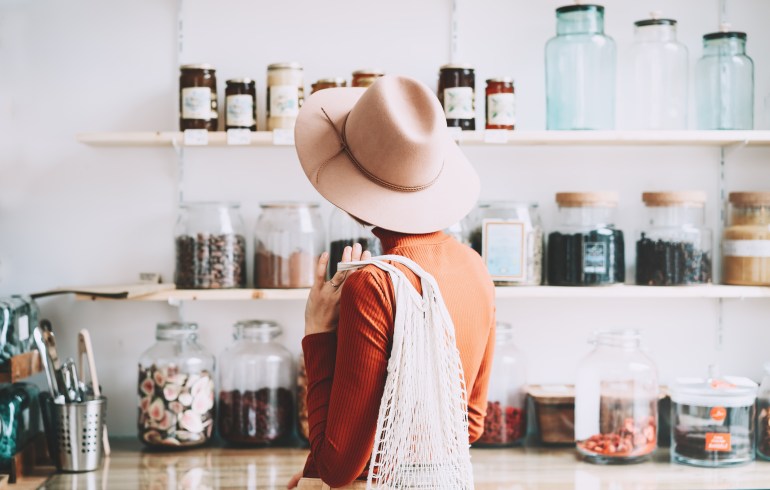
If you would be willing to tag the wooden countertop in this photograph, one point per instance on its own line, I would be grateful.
(130, 468)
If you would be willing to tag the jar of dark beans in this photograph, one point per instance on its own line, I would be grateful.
(616, 400)
(713, 421)
(763, 416)
(256, 382)
(457, 93)
(198, 97)
(344, 231)
(586, 249)
(241, 104)
(675, 247)
(176, 389)
(210, 246)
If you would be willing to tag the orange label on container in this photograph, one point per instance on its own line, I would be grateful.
(721, 384)
(717, 441)
(718, 413)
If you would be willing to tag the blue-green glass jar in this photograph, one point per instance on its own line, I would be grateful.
(19, 417)
(580, 71)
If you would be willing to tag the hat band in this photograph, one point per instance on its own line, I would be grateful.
(369, 175)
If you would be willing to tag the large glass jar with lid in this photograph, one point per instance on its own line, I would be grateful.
(746, 241)
(674, 248)
(288, 240)
(344, 231)
(176, 389)
(580, 71)
(210, 246)
(616, 400)
(509, 237)
(256, 386)
(586, 249)
(505, 423)
(763, 416)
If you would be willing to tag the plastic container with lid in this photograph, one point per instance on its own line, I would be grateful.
(746, 241)
(457, 94)
(713, 421)
(344, 231)
(366, 77)
(285, 94)
(763, 416)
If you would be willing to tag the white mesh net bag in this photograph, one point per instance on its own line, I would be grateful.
(422, 427)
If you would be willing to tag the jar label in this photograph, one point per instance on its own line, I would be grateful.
(23, 327)
(746, 248)
(594, 258)
(501, 109)
(283, 100)
(718, 441)
(458, 103)
(502, 246)
(240, 110)
(718, 414)
(196, 103)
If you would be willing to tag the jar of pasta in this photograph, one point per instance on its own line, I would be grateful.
(746, 244)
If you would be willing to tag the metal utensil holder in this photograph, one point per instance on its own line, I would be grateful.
(75, 433)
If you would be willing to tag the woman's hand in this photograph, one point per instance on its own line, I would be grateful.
(295, 480)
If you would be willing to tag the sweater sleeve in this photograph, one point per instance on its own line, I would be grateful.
(477, 399)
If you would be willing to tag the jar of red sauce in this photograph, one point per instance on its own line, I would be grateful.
(365, 78)
(501, 104)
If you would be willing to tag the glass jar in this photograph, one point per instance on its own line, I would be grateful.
(457, 94)
(19, 316)
(657, 78)
(241, 104)
(713, 421)
(366, 77)
(344, 231)
(505, 423)
(256, 401)
(616, 400)
(176, 389)
(198, 97)
(580, 71)
(509, 238)
(302, 421)
(763, 416)
(675, 248)
(285, 94)
(19, 417)
(324, 83)
(288, 240)
(210, 246)
(746, 242)
(586, 249)
(724, 82)
(501, 104)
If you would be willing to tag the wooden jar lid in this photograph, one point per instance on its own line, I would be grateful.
(681, 198)
(750, 198)
(579, 199)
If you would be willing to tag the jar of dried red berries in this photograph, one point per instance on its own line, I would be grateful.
(256, 402)
(505, 423)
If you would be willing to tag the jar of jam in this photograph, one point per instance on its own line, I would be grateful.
(241, 104)
(365, 78)
(457, 93)
(328, 83)
(501, 104)
(285, 94)
(198, 97)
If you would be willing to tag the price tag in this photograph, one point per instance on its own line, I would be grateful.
(196, 137)
(238, 137)
(455, 133)
(498, 136)
(283, 137)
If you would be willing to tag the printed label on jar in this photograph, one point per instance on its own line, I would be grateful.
(24, 327)
(718, 413)
(458, 103)
(501, 109)
(594, 258)
(718, 441)
(502, 245)
(196, 103)
(240, 110)
(284, 101)
(746, 248)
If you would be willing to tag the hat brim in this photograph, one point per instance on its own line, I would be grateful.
(444, 203)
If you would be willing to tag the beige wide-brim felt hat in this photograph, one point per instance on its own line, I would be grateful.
(384, 155)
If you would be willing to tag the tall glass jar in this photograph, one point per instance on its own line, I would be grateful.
(746, 242)
(210, 246)
(724, 82)
(675, 246)
(256, 401)
(586, 249)
(580, 71)
(344, 231)
(285, 94)
(288, 240)
(505, 423)
(616, 400)
(176, 389)
(763, 416)
(509, 237)
(19, 417)
(657, 78)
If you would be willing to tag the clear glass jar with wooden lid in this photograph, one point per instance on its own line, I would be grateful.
(366, 77)
(285, 94)
(324, 83)
(746, 242)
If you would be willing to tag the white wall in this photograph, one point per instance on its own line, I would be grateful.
(73, 214)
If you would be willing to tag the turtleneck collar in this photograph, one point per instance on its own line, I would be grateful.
(392, 239)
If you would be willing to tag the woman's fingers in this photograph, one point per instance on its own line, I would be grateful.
(320, 271)
(366, 255)
(346, 254)
(356, 252)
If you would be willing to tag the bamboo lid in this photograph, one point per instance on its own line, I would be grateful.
(750, 198)
(682, 198)
(579, 199)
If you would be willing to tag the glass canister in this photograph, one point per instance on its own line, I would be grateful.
(19, 417)
(324, 83)
(210, 246)
(675, 246)
(198, 97)
(746, 242)
(616, 400)
(501, 104)
(18, 315)
(457, 94)
(763, 416)
(256, 401)
(657, 79)
(580, 71)
(586, 249)
(713, 421)
(366, 77)
(505, 423)
(176, 389)
(344, 231)
(241, 104)
(288, 240)
(509, 237)
(724, 82)
(285, 94)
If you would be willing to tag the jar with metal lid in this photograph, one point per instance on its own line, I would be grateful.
(746, 241)
(501, 104)
(763, 416)
(586, 249)
(176, 389)
(198, 97)
(210, 246)
(366, 77)
(457, 94)
(675, 246)
(241, 104)
(616, 400)
(256, 386)
(713, 421)
(344, 231)
(509, 237)
(288, 240)
(324, 83)
(285, 94)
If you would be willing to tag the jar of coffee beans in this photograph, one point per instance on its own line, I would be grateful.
(763, 416)
(344, 231)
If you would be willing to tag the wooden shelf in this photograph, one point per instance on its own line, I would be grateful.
(20, 367)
